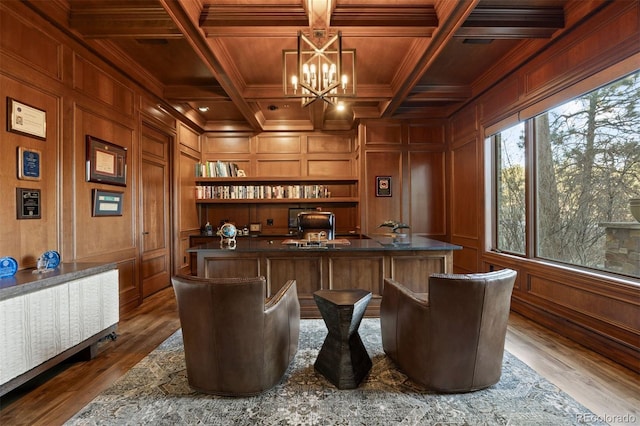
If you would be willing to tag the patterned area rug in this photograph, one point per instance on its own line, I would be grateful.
(156, 392)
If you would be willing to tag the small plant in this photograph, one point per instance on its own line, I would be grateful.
(394, 225)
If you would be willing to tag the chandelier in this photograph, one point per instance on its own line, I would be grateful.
(313, 73)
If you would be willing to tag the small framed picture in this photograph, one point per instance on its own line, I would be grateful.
(107, 203)
(106, 162)
(383, 186)
(29, 163)
(28, 203)
(26, 119)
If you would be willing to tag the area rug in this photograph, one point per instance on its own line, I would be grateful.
(156, 392)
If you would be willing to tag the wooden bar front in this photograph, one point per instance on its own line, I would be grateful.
(363, 264)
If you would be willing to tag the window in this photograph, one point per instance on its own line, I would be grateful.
(510, 190)
(587, 168)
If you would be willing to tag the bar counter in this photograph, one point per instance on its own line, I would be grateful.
(363, 263)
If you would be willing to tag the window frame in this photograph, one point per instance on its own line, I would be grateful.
(531, 176)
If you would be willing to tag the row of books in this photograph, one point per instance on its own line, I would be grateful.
(245, 192)
(217, 169)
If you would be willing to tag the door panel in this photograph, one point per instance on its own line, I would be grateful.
(155, 241)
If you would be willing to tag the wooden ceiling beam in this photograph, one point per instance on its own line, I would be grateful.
(216, 16)
(384, 16)
(195, 93)
(439, 93)
(512, 22)
(114, 19)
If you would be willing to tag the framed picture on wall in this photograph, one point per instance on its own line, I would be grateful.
(106, 162)
(26, 119)
(28, 203)
(107, 203)
(383, 186)
(29, 163)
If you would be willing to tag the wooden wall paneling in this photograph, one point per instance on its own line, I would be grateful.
(463, 125)
(17, 235)
(383, 132)
(378, 209)
(279, 213)
(465, 261)
(107, 232)
(129, 285)
(586, 301)
(153, 114)
(491, 107)
(188, 137)
(187, 216)
(279, 167)
(215, 145)
(432, 133)
(267, 143)
(186, 192)
(329, 144)
(23, 40)
(612, 37)
(96, 84)
(330, 167)
(465, 201)
(427, 196)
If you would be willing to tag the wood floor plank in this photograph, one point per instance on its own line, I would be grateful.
(604, 387)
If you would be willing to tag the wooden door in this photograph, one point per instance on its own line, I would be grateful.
(154, 208)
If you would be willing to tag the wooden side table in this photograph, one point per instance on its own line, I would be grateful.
(343, 359)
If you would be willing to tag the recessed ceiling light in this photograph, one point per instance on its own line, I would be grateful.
(203, 108)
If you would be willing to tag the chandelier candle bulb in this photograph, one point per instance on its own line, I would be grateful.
(294, 82)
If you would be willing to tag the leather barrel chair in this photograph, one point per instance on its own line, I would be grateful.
(236, 341)
(450, 339)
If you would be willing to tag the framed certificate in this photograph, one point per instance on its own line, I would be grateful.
(26, 120)
(107, 203)
(106, 162)
(29, 161)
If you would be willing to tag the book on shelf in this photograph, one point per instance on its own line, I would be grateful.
(249, 192)
(216, 169)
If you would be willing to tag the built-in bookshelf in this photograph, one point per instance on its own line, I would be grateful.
(276, 189)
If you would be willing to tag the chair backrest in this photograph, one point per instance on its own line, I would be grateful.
(229, 336)
(469, 315)
(315, 223)
(453, 340)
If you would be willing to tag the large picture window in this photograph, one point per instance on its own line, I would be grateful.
(587, 169)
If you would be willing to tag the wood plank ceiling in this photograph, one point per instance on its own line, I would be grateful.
(415, 58)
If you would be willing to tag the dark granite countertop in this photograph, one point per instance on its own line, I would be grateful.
(25, 281)
(373, 243)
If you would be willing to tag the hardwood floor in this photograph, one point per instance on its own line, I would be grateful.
(608, 389)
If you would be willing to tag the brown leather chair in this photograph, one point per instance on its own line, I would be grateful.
(450, 339)
(236, 342)
(316, 225)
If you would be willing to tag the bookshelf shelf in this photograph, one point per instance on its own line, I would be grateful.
(276, 190)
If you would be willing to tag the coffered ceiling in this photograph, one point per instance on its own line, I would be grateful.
(415, 58)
